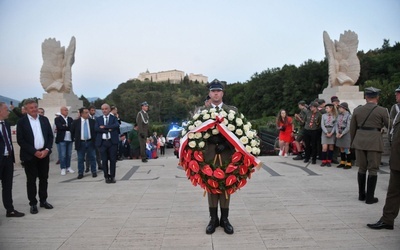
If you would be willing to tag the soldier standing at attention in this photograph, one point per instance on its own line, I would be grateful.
(392, 204)
(366, 138)
(142, 120)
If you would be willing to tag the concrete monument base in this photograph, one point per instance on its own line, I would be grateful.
(350, 94)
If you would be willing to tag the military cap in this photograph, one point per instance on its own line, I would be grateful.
(372, 92)
(314, 104)
(344, 105)
(398, 89)
(320, 101)
(216, 85)
(334, 99)
(144, 104)
(302, 102)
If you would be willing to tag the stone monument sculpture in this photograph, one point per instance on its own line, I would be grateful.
(56, 78)
(344, 69)
(55, 75)
(344, 66)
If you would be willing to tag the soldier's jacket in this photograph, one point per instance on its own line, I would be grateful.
(209, 151)
(142, 120)
(368, 137)
(394, 160)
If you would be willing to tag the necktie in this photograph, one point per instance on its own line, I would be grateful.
(106, 124)
(85, 131)
(312, 120)
(5, 137)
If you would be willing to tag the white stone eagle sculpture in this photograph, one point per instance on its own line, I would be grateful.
(344, 65)
(55, 74)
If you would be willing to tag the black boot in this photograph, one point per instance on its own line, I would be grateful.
(225, 222)
(361, 186)
(214, 222)
(371, 184)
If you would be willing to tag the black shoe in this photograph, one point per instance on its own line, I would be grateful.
(87, 170)
(80, 176)
(108, 180)
(298, 157)
(328, 164)
(323, 164)
(94, 175)
(347, 166)
(380, 225)
(340, 166)
(227, 226)
(306, 160)
(112, 180)
(214, 223)
(14, 213)
(46, 205)
(34, 209)
(371, 201)
(314, 162)
(144, 160)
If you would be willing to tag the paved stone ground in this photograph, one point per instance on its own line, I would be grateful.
(153, 206)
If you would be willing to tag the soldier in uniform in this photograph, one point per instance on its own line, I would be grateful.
(392, 204)
(394, 113)
(366, 138)
(217, 144)
(142, 120)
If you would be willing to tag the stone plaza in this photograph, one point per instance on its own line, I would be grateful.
(286, 205)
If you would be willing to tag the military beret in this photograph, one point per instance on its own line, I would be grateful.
(372, 92)
(216, 85)
(398, 89)
(144, 104)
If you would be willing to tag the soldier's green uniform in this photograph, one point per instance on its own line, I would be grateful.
(366, 138)
(142, 120)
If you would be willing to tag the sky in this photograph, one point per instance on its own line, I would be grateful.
(225, 39)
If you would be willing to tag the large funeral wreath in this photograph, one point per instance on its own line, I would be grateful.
(215, 176)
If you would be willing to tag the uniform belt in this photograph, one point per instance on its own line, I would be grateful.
(86, 140)
(107, 139)
(369, 128)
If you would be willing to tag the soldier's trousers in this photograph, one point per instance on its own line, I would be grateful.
(368, 161)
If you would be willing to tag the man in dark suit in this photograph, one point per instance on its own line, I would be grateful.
(92, 115)
(7, 163)
(35, 137)
(366, 138)
(124, 148)
(63, 138)
(107, 128)
(82, 131)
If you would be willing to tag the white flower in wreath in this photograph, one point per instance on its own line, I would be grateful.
(184, 132)
(255, 151)
(239, 122)
(213, 115)
(253, 143)
(197, 135)
(231, 116)
(213, 110)
(191, 127)
(248, 149)
(232, 112)
(215, 131)
(250, 134)
(192, 144)
(196, 116)
(206, 136)
(242, 116)
(201, 144)
(225, 122)
(223, 113)
(244, 140)
(246, 127)
(206, 117)
(197, 123)
(191, 136)
(239, 132)
(231, 127)
(204, 111)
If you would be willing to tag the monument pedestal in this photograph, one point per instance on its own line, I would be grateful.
(350, 94)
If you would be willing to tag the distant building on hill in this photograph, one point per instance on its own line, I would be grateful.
(173, 76)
